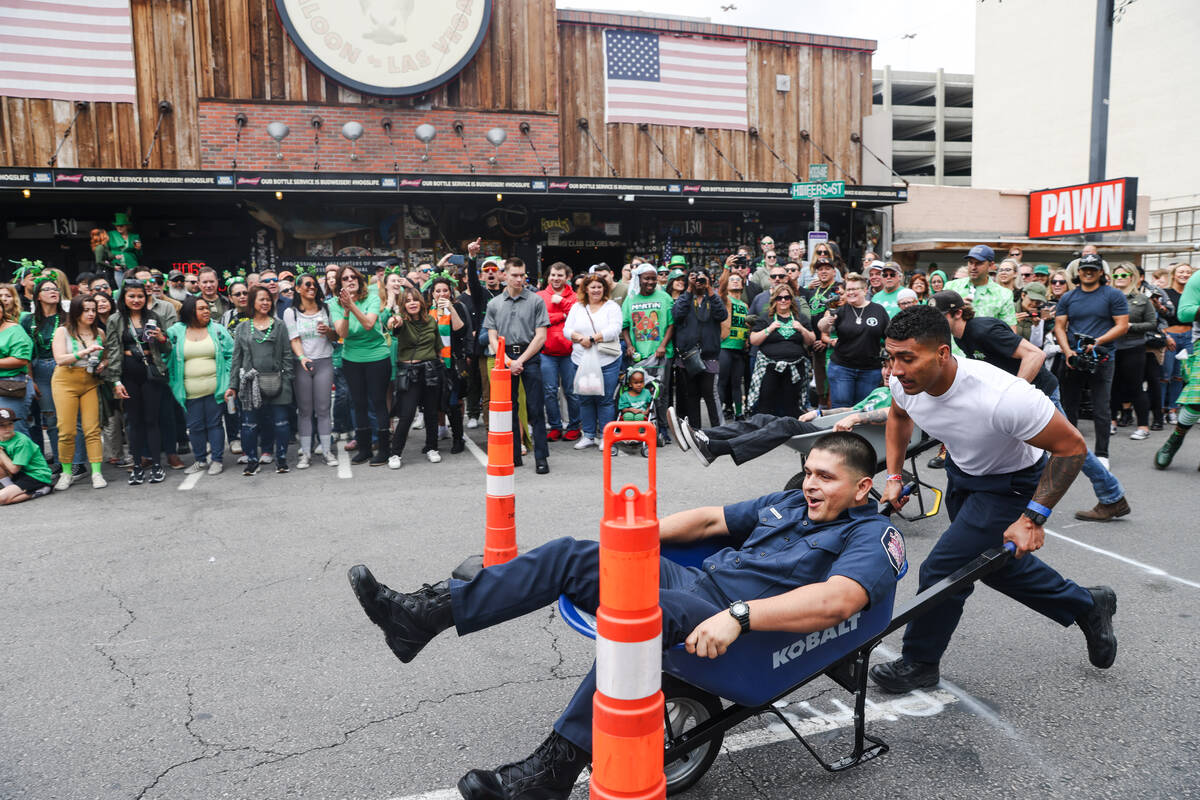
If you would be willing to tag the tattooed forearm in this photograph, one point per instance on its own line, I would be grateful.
(1057, 477)
(877, 417)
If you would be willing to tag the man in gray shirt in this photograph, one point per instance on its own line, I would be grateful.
(520, 316)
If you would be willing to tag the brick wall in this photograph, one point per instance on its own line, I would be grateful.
(375, 152)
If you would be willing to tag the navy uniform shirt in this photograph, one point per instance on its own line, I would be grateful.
(781, 549)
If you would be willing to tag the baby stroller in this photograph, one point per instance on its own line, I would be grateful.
(652, 385)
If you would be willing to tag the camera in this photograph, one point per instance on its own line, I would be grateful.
(92, 363)
(149, 331)
(1082, 361)
(741, 261)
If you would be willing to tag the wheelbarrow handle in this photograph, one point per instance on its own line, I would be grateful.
(887, 509)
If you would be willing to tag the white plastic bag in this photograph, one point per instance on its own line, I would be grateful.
(589, 377)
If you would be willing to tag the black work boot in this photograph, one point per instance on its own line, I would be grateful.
(383, 449)
(902, 675)
(548, 774)
(408, 621)
(1098, 627)
(362, 437)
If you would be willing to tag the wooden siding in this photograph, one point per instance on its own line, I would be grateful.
(831, 92)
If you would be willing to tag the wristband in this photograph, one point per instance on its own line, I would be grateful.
(1039, 508)
(818, 411)
(896, 478)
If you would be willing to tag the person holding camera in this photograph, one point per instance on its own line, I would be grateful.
(135, 345)
(698, 313)
(198, 373)
(261, 380)
(1088, 321)
(75, 387)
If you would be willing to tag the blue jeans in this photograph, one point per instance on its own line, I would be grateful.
(272, 423)
(599, 410)
(556, 370)
(1172, 369)
(848, 385)
(20, 407)
(1106, 486)
(205, 430)
(343, 414)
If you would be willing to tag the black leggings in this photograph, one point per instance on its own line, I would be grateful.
(142, 414)
(405, 407)
(690, 390)
(778, 395)
(734, 364)
(368, 384)
(1128, 376)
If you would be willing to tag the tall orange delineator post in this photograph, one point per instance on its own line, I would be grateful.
(627, 709)
(500, 538)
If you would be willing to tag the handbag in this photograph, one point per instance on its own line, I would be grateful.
(1156, 339)
(605, 348)
(270, 384)
(692, 362)
(12, 387)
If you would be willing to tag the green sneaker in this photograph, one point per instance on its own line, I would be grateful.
(1162, 459)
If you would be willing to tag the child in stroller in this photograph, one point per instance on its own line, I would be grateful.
(636, 394)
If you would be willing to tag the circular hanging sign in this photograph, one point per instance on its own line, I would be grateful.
(387, 47)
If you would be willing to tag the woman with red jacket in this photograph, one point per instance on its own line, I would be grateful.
(556, 355)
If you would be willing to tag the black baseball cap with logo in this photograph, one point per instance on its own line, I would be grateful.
(1091, 261)
(946, 301)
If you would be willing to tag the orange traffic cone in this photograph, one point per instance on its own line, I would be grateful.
(500, 538)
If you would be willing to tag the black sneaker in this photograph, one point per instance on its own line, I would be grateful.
(1097, 627)
(409, 621)
(281, 466)
(79, 470)
(156, 473)
(901, 675)
(251, 468)
(548, 774)
(937, 462)
(137, 477)
(699, 445)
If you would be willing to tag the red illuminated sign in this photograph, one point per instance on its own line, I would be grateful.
(1085, 208)
(189, 267)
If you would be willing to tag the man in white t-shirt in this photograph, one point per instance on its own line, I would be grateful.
(1010, 457)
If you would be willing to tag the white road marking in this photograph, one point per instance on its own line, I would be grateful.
(480, 456)
(190, 481)
(1147, 567)
(343, 467)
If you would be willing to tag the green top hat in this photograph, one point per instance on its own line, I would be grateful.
(120, 218)
(678, 261)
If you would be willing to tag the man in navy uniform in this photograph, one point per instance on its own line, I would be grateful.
(809, 559)
(1010, 457)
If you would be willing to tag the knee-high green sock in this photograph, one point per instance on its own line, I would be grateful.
(95, 467)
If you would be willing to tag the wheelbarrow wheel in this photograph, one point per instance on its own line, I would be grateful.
(686, 707)
(795, 482)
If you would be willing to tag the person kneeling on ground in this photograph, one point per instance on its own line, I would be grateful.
(24, 473)
(750, 438)
(819, 557)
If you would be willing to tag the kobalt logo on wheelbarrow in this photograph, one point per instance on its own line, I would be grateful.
(811, 641)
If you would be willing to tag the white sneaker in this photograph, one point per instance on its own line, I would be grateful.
(303, 462)
(1103, 461)
(266, 458)
(473, 423)
(419, 423)
(235, 447)
(243, 459)
(434, 457)
(443, 432)
(196, 466)
(317, 449)
(331, 459)
(98, 481)
(584, 443)
(215, 468)
(394, 462)
(64, 480)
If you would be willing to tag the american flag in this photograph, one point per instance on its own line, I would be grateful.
(674, 80)
(80, 50)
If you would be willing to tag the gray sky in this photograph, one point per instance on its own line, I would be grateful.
(945, 29)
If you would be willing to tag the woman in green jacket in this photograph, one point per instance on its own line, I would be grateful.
(198, 372)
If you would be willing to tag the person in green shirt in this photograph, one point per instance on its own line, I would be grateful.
(760, 434)
(986, 297)
(734, 361)
(24, 473)
(647, 329)
(889, 295)
(16, 351)
(122, 250)
(366, 360)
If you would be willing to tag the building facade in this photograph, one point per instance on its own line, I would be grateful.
(931, 123)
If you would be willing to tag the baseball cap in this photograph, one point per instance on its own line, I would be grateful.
(175, 275)
(1036, 291)
(981, 252)
(822, 262)
(7, 416)
(601, 267)
(946, 301)
(1091, 261)
(642, 269)
(876, 265)
(492, 263)
(1041, 269)
(890, 267)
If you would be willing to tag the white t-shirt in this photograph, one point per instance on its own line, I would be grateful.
(984, 418)
(607, 322)
(304, 326)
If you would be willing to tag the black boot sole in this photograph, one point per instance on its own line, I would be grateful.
(481, 785)
(367, 590)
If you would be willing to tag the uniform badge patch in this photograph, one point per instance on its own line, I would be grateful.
(893, 545)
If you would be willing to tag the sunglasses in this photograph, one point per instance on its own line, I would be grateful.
(772, 258)
(783, 297)
(793, 269)
(778, 276)
(1122, 275)
(238, 294)
(426, 270)
(1060, 282)
(1026, 274)
(268, 280)
(177, 280)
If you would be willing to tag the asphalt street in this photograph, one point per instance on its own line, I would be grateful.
(203, 642)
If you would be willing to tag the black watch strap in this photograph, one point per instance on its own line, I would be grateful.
(1035, 517)
(740, 611)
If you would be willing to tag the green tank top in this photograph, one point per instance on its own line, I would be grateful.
(739, 330)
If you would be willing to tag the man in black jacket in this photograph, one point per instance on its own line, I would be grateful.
(698, 314)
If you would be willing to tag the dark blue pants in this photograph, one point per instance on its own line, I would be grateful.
(566, 566)
(267, 424)
(750, 438)
(981, 509)
(204, 427)
(535, 409)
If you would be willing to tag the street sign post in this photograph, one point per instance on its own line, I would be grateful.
(825, 190)
(818, 172)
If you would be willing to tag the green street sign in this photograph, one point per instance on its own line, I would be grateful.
(824, 190)
(818, 172)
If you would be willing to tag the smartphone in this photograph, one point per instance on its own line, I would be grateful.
(458, 260)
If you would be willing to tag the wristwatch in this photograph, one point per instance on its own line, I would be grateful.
(741, 612)
(1036, 517)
